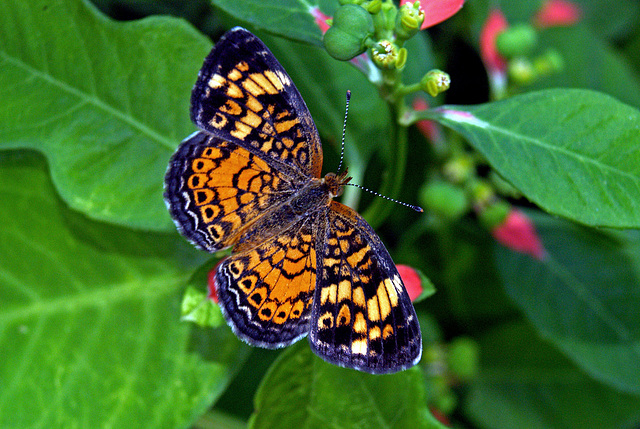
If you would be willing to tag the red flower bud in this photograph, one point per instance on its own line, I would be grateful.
(518, 233)
(427, 128)
(411, 281)
(495, 24)
(556, 13)
(211, 282)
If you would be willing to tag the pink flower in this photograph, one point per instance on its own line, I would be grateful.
(557, 13)
(436, 11)
(411, 280)
(518, 233)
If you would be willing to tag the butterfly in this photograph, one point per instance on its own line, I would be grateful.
(301, 263)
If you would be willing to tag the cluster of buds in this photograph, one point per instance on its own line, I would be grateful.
(380, 28)
(511, 52)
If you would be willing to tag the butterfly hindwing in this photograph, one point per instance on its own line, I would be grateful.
(249, 98)
(362, 316)
(266, 291)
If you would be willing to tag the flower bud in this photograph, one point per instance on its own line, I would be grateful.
(387, 55)
(463, 358)
(517, 40)
(435, 82)
(548, 63)
(459, 169)
(444, 199)
(408, 20)
(352, 25)
(494, 214)
(521, 71)
(482, 194)
(374, 6)
(518, 233)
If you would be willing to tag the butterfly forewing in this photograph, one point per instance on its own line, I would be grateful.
(249, 97)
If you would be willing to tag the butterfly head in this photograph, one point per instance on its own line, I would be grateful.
(335, 182)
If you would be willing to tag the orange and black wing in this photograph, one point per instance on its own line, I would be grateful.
(362, 316)
(215, 190)
(244, 95)
(266, 291)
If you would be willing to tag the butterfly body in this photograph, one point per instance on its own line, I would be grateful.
(302, 263)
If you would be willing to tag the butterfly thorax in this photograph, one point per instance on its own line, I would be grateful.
(315, 195)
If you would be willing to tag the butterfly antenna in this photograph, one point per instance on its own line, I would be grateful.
(411, 206)
(344, 130)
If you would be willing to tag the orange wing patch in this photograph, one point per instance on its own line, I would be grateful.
(267, 291)
(221, 190)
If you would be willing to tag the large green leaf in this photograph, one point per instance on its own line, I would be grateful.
(90, 334)
(106, 102)
(572, 152)
(525, 383)
(583, 296)
(321, 395)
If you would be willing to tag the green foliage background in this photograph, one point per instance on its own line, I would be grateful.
(94, 98)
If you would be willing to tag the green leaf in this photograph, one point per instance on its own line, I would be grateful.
(321, 395)
(196, 307)
(525, 383)
(572, 152)
(89, 322)
(611, 19)
(583, 296)
(106, 102)
(293, 19)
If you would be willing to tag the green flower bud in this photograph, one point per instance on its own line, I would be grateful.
(374, 7)
(385, 18)
(521, 71)
(346, 38)
(459, 169)
(402, 58)
(444, 199)
(463, 358)
(517, 40)
(385, 54)
(447, 402)
(408, 20)
(548, 63)
(494, 214)
(435, 82)
(482, 193)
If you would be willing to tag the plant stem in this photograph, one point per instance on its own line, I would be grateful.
(380, 209)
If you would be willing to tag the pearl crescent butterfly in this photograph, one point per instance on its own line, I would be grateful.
(302, 264)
